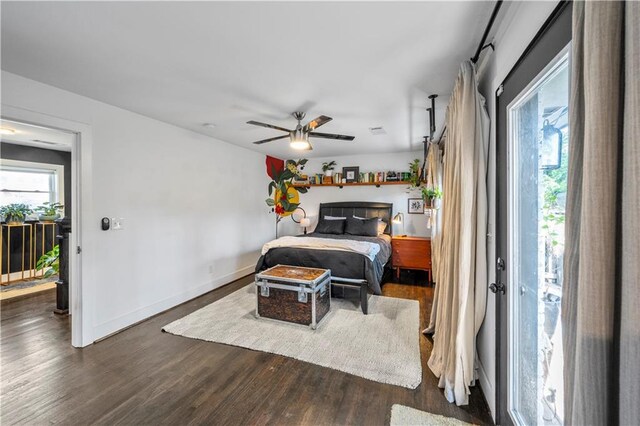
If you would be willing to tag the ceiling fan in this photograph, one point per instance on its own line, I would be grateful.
(299, 138)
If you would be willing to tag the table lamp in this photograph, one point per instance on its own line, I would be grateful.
(304, 222)
(399, 218)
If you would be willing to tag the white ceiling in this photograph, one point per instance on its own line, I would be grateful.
(365, 64)
(40, 137)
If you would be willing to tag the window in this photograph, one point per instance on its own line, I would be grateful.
(31, 183)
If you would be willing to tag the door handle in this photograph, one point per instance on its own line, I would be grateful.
(497, 288)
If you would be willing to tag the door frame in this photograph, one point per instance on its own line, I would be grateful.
(550, 40)
(80, 294)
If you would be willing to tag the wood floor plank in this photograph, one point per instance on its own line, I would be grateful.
(144, 376)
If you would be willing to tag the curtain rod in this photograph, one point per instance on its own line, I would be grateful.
(483, 46)
(444, 129)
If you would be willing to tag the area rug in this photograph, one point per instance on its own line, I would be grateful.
(405, 416)
(382, 346)
(18, 285)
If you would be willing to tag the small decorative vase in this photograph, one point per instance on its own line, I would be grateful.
(328, 173)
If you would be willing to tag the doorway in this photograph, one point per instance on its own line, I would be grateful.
(532, 149)
(35, 181)
(38, 177)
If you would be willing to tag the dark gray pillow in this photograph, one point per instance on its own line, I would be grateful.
(332, 226)
(364, 227)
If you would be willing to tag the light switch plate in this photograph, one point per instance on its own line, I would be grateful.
(117, 223)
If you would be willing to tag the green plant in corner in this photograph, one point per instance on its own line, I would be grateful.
(51, 261)
(15, 213)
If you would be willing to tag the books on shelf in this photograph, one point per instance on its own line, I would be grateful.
(363, 177)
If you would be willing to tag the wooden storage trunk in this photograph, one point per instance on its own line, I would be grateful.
(293, 294)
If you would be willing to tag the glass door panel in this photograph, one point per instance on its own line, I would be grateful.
(537, 121)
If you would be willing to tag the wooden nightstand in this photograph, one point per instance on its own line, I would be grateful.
(411, 253)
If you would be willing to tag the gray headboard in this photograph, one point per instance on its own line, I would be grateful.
(360, 209)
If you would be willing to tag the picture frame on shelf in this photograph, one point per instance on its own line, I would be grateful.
(351, 174)
(415, 206)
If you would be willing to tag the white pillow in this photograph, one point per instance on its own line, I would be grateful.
(334, 218)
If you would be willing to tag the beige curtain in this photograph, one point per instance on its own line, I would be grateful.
(461, 275)
(601, 289)
(434, 179)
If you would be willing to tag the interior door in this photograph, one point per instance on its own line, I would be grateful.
(532, 141)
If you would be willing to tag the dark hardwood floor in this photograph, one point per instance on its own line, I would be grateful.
(145, 376)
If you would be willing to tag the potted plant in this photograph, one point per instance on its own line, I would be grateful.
(414, 178)
(15, 214)
(51, 261)
(327, 168)
(430, 195)
(48, 212)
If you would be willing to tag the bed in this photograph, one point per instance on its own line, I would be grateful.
(347, 268)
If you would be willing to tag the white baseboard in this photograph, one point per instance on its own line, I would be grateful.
(113, 326)
(488, 388)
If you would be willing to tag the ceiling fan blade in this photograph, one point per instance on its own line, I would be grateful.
(332, 136)
(317, 122)
(270, 139)
(270, 126)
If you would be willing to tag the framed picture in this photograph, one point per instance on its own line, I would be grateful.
(415, 206)
(351, 174)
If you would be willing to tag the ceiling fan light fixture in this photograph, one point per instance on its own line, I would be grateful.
(300, 144)
(299, 139)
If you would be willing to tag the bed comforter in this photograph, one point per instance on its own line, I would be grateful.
(343, 264)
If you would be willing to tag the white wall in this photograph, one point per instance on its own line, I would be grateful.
(397, 194)
(193, 207)
(521, 22)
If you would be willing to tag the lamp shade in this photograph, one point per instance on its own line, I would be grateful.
(397, 218)
(304, 222)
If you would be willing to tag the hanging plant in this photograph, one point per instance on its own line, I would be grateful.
(430, 195)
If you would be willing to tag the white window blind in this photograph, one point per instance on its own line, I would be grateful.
(30, 185)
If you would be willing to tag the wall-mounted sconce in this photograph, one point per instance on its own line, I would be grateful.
(550, 147)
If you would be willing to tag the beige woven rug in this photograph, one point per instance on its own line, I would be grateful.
(406, 416)
(383, 346)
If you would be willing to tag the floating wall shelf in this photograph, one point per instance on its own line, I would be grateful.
(340, 185)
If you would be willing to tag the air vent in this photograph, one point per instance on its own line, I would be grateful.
(377, 130)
